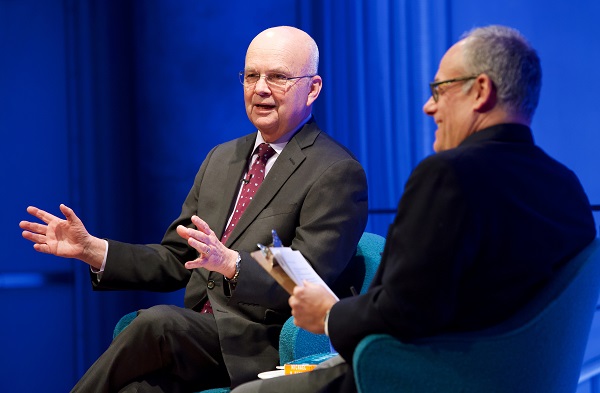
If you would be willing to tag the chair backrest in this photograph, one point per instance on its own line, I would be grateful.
(295, 343)
(369, 251)
(540, 349)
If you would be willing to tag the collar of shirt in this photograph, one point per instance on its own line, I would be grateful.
(279, 145)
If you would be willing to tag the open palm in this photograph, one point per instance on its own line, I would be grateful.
(64, 238)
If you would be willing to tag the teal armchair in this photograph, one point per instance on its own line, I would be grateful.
(296, 343)
(538, 350)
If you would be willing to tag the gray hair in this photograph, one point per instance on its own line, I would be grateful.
(510, 61)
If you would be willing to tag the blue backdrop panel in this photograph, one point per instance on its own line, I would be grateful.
(37, 346)
(34, 155)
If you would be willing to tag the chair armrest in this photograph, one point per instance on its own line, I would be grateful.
(123, 323)
(295, 343)
(383, 363)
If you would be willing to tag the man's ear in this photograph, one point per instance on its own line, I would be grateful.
(485, 93)
(316, 84)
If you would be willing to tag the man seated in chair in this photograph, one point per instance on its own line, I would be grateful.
(229, 330)
(481, 225)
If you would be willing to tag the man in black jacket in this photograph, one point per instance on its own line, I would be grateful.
(481, 226)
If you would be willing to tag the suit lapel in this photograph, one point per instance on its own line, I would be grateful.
(292, 156)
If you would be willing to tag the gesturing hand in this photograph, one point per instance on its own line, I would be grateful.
(64, 238)
(214, 255)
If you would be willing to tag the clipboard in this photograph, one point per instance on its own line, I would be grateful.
(272, 267)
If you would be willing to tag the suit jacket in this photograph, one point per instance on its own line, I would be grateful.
(315, 196)
(479, 229)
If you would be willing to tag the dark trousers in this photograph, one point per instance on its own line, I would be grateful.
(165, 349)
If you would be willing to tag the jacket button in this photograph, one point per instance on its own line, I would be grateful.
(211, 284)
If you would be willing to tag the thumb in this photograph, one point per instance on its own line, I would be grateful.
(309, 284)
(69, 214)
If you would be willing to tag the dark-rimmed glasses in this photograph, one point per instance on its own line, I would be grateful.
(435, 85)
(273, 79)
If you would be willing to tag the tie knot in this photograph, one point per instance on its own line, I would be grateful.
(265, 151)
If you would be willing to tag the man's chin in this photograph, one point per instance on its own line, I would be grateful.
(437, 145)
(265, 126)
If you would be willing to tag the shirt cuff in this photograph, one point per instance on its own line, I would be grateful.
(326, 323)
(98, 273)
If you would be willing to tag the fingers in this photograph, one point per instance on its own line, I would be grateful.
(298, 290)
(47, 217)
(203, 249)
(197, 240)
(194, 264)
(35, 233)
(33, 227)
(297, 295)
(203, 233)
(199, 236)
(309, 306)
(191, 234)
(200, 246)
(201, 225)
(309, 285)
(202, 260)
(203, 239)
(310, 296)
(34, 237)
(306, 290)
(43, 248)
(182, 231)
(41, 214)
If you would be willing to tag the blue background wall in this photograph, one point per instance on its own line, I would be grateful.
(110, 107)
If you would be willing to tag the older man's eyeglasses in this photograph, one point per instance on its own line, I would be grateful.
(273, 79)
(434, 86)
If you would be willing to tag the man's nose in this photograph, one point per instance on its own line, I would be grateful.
(262, 85)
(429, 106)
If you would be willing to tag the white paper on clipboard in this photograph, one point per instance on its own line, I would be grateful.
(297, 267)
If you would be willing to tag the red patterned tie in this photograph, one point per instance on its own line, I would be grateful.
(253, 180)
(255, 177)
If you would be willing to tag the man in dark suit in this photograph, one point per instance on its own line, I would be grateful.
(481, 226)
(229, 330)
